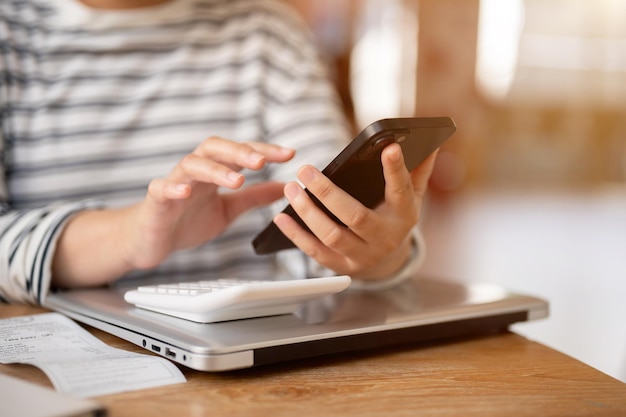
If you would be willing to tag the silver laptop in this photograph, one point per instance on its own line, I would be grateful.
(419, 310)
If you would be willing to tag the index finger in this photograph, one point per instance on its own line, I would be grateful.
(219, 158)
(272, 152)
(252, 155)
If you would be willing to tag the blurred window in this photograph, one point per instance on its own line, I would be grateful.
(384, 61)
(553, 51)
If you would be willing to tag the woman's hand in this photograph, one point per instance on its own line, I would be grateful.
(185, 209)
(182, 210)
(375, 243)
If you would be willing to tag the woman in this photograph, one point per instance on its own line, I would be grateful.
(108, 171)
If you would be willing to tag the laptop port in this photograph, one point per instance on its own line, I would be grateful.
(169, 353)
(156, 348)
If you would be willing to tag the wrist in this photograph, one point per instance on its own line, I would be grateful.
(412, 264)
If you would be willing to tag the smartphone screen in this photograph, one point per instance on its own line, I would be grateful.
(358, 169)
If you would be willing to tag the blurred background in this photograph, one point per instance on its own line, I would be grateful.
(530, 193)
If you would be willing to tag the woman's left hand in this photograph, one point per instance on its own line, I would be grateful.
(376, 242)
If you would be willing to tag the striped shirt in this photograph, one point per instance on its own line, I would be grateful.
(95, 104)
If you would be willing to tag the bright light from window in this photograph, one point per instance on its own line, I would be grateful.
(499, 30)
(379, 63)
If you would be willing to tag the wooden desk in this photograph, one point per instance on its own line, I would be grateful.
(499, 375)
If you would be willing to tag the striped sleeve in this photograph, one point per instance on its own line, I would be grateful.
(27, 241)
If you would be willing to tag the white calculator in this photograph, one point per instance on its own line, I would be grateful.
(231, 298)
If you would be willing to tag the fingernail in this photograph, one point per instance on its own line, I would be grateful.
(181, 188)
(396, 155)
(279, 220)
(233, 176)
(255, 158)
(292, 190)
(307, 175)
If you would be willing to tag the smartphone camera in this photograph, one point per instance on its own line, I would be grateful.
(376, 146)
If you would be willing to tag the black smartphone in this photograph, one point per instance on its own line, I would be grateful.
(358, 169)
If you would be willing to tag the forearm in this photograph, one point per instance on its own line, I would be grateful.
(91, 249)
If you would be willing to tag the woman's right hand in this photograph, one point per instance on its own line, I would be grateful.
(182, 210)
(185, 209)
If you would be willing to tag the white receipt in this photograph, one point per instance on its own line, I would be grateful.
(77, 362)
